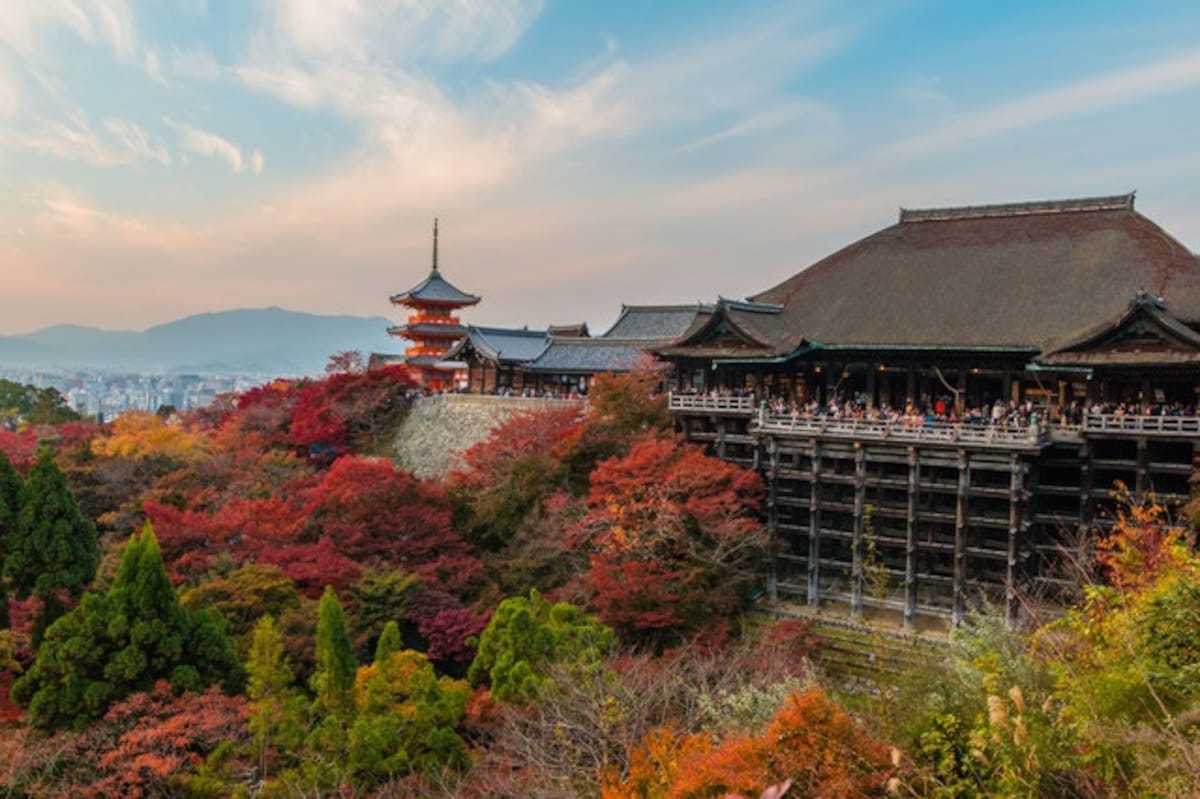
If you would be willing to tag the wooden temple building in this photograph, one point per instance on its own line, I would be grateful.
(432, 326)
(563, 359)
(943, 409)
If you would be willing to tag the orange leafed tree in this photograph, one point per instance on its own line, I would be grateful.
(811, 741)
(673, 538)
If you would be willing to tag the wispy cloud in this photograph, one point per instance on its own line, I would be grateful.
(208, 144)
(120, 142)
(756, 123)
(394, 30)
(107, 22)
(1112, 90)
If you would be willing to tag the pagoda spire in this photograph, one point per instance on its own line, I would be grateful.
(435, 225)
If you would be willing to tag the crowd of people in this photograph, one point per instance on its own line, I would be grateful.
(939, 410)
(944, 410)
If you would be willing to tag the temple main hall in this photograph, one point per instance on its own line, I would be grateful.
(946, 410)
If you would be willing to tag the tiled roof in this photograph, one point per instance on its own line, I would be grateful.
(437, 290)
(1013, 277)
(428, 330)
(505, 345)
(590, 356)
(655, 322)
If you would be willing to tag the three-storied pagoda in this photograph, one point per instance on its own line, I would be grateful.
(432, 326)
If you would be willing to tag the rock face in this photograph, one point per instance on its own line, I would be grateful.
(439, 429)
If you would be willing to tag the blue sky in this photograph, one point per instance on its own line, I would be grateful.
(168, 157)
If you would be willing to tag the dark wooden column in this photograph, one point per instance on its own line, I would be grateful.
(1087, 478)
(910, 386)
(857, 572)
(814, 529)
(910, 537)
(1142, 480)
(959, 611)
(720, 443)
(1016, 524)
(773, 516)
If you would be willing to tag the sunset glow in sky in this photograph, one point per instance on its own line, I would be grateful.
(167, 157)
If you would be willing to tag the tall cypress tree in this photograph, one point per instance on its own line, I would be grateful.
(55, 547)
(122, 642)
(10, 508)
(334, 675)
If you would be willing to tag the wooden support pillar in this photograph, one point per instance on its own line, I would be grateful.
(1016, 516)
(720, 448)
(910, 538)
(814, 529)
(959, 610)
(960, 396)
(773, 517)
(1006, 387)
(857, 573)
(1142, 479)
(1087, 478)
(910, 386)
(871, 386)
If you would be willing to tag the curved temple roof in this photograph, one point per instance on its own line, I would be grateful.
(996, 277)
(435, 289)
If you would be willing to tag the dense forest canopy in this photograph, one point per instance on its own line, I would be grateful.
(254, 600)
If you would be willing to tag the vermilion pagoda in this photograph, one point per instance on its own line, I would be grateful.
(433, 326)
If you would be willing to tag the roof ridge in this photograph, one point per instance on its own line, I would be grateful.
(1113, 202)
(509, 330)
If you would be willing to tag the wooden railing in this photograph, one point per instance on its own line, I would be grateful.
(921, 432)
(1025, 435)
(711, 404)
(1141, 425)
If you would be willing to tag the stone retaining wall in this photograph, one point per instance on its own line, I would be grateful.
(439, 429)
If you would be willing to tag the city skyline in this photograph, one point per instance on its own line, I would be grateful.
(169, 159)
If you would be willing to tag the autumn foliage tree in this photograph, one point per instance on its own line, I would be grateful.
(511, 473)
(673, 540)
(811, 741)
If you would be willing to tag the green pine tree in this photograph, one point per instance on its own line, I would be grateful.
(527, 637)
(122, 642)
(389, 643)
(334, 675)
(11, 486)
(55, 546)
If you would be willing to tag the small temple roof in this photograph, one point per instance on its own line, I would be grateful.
(590, 356)
(1145, 334)
(435, 289)
(655, 322)
(504, 345)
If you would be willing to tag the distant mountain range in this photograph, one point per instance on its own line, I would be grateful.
(266, 341)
